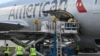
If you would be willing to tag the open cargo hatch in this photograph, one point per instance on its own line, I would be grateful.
(60, 14)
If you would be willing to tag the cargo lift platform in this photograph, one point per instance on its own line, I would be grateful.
(57, 29)
(62, 22)
(62, 27)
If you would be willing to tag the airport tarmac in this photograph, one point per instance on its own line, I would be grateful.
(88, 54)
(80, 54)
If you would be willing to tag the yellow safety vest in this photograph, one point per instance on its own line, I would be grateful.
(77, 48)
(32, 52)
(7, 50)
(19, 50)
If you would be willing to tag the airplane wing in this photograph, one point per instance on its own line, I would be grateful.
(12, 25)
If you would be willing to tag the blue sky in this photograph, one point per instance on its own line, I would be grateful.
(5, 1)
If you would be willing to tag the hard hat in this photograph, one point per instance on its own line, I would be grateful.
(36, 21)
(54, 19)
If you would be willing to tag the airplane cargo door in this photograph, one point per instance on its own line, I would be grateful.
(96, 7)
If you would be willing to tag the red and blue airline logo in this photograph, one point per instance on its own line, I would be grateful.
(80, 6)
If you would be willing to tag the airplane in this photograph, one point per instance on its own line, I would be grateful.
(19, 15)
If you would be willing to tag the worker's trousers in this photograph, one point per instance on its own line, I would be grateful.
(70, 26)
(6, 54)
(19, 55)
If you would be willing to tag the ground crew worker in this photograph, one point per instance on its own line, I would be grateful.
(32, 51)
(19, 51)
(74, 24)
(70, 23)
(7, 51)
(77, 49)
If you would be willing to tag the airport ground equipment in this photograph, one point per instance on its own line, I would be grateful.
(68, 51)
(17, 41)
(61, 29)
(29, 43)
(65, 50)
(32, 43)
(58, 38)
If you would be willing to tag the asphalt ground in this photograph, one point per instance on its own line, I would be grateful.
(88, 54)
(80, 54)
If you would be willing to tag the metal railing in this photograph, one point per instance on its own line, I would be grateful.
(64, 26)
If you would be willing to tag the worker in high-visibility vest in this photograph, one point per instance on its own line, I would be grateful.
(70, 23)
(77, 49)
(19, 51)
(7, 51)
(32, 51)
